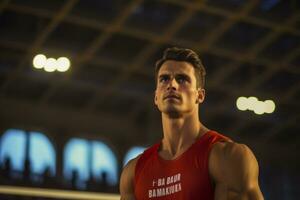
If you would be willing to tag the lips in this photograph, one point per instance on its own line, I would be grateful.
(172, 96)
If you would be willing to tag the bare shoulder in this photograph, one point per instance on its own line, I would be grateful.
(234, 165)
(127, 180)
(130, 166)
(231, 156)
(232, 150)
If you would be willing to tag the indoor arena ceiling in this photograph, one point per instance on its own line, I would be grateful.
(249, 48)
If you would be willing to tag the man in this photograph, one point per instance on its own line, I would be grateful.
(191, 162)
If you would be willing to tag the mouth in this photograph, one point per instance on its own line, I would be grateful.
(172, 96)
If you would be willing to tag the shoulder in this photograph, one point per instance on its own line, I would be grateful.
(128, 170)
(234, 170)
(218, 137)
(127, 178)
(132, 168)
(232, 162)
(231, 150)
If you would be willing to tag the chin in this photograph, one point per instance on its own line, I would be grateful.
(174, 115)
(170, 109)
(172, 112)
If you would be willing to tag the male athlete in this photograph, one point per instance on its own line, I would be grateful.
(191, 161)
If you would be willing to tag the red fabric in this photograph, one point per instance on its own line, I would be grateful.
(185, 178)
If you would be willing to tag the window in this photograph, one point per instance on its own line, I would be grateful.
(104, 160)
(90, 157)
(42, 153)
(76, 158)
(132, 153)
(14, 144)
(13, 147)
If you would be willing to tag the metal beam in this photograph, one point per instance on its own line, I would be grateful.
(149, 36)
(229, 14)
(40, 40)
(97, 43)
(272, 67)
(3, 5)
(143, 56)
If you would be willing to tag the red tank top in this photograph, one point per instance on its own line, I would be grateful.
(184, 178)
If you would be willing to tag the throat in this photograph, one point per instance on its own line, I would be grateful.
(170, 151)
(166, 155)
(173, 146)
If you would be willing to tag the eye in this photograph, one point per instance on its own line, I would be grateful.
(163, 79)
(181, 79)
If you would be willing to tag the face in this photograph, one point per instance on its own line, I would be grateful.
(176, 91)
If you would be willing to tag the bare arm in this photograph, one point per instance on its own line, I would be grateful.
(127, 181)
(234, 170)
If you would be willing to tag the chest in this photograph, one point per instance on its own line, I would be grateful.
(184, 178)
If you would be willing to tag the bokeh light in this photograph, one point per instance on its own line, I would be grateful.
(63, 64)
(259, 107)
(39, 61)
(50, 65)
(253, 104)
(269, 106)
(242, 103)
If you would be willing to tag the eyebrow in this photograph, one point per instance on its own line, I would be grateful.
(163, 75)
(184, 75)
(179, 74)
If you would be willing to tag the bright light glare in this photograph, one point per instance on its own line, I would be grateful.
(39, 61)
(50, 65)
(63, 64)
(259, 107)
(242, 103)
(252, 103)
(269, 106)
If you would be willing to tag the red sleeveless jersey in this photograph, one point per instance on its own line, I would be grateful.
(184, 178)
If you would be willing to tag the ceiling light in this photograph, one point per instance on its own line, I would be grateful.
(259, 107)
(50, 65)
(39, 61)
(253, 104)
(63, 64)
(269, 106)
(242, 103)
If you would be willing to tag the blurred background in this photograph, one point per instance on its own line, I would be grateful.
(73, 115)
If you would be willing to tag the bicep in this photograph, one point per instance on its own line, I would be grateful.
(223, 192)
(238, 176)
(245, 170)
(127, 181)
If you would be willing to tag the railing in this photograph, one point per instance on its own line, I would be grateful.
(55, 193)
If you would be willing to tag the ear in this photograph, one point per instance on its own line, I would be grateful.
(155, 98)
(200, 95)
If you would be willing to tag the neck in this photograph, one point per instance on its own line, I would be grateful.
(180, 132)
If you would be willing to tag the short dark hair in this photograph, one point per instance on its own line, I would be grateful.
(187, 55)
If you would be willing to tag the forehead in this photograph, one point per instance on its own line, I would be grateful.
(176, 67)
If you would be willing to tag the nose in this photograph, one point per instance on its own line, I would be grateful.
(172, 84)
